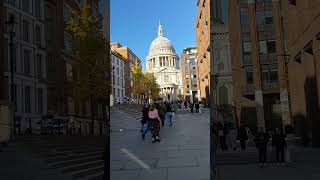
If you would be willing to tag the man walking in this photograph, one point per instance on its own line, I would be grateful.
(261, 142)
(279, 143)
(197, 106)
(169, 113)
(191, 107)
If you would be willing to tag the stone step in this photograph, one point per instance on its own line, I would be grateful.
(82, 166)
(72, 157)
(96, 171)
(76, 161)
(97, 176)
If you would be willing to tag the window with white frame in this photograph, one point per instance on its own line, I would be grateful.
(25, 30)
(27, 61)
(37, 8)
(25, 5)
(38, 35)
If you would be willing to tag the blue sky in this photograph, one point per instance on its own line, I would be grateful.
(134, 23)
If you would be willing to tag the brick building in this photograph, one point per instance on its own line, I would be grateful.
(203, 34)
(302, 32)
(258, 63)
(131, 60)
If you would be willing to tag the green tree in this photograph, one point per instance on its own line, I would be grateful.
(152, 85)
(137, 78)
(143, 82)
(89, 54)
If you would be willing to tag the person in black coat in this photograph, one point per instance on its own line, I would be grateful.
(191, 107)
(279, 143)
(144, 119)
(261, 141)
(243, 137)
(197, 106)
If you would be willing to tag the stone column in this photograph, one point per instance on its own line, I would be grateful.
(256, 64)
(281, 64)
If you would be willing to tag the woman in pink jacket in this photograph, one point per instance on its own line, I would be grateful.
(154, 121)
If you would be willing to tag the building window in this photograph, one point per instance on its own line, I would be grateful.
(118, 71)
(12, 2)
(244, 20)
(271, 46)
(247, 46)
(67, 41)
(27, 99)
(25, 5)
(40, 100)
(114, 91)
(66, 14)
(249, 75)
(37, 7)
(118, 93)
(273, 75)
(263, 47)
(118, 81)
(26, 58)
(39, 66)
(265, 75)
(38, 35)
(25, 30)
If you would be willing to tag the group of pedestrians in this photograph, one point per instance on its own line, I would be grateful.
(192, 106)
(227, 135)
(279, 145)
(155, 115)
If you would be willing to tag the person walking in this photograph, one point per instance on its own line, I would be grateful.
(154, 121)
(185, 104)
(243, 137)
(191, 107)
(162, 113)
(197, 106)
(261, 141)
(169, 113)
(233, 136)
(279, 143)
(144, 118)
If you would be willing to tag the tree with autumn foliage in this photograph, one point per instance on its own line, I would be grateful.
(143, 82)
(89, 55)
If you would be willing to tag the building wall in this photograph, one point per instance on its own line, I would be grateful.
(257, 63)
(302, 30)
(118, 78)
(189, 73)
(3, 97)
(30, 58)
(56, 67)
(131, 59)
(202, 28)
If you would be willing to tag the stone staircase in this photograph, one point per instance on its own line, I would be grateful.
(77, 157)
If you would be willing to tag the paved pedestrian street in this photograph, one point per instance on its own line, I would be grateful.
(183, 152)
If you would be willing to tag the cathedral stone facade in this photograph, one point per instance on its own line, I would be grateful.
(163, 62)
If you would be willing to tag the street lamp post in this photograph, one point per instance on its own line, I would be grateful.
(10, 24)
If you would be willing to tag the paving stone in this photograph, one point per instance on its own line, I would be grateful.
(178, 162)
(125, 175)
(154, 174)
(188, 173)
